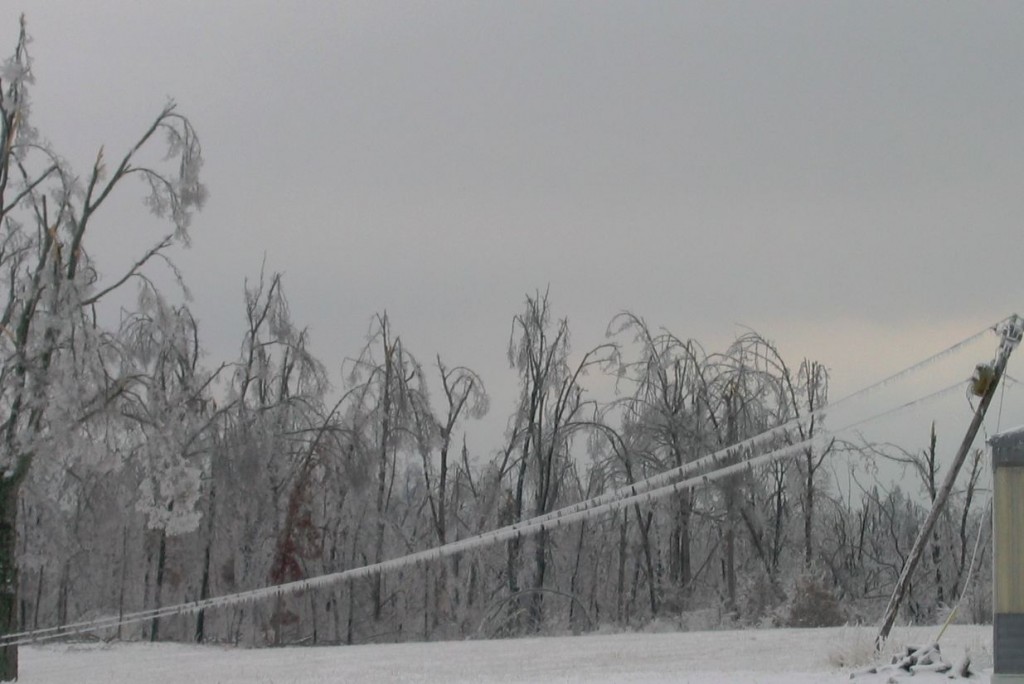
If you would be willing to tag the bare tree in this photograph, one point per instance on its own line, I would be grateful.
(808, 394)
(170, 408)
(273, 419)
(740, 395)
(662, 412)
(389, 393)
(947, 568)
(464, 395)
(551, 410)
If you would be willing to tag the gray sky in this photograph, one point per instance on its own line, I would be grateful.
(843, 177)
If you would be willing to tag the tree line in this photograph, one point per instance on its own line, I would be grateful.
(275, 476)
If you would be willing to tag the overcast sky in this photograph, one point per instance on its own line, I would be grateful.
(846, 178)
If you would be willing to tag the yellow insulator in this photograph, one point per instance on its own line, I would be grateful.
(984, 373)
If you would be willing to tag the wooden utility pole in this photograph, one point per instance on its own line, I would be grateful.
(1010, 330)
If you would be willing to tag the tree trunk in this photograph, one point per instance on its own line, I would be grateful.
(729, 561)
(62, 593)
(378, 548)
(730, 566)
(8, 576)
(161, 563)
(204, 589)
(427, 612)
(336, 596)
(124, 578)
(809, 512)
(645, 540)
(204, 593)
(574, 580)
(161, 566)
(731, 436)
(349, 639)
(382, 471)
(312, 613)
(620, 583)
(515, 544)
(540, 558)
(39, 600)
(681, 562)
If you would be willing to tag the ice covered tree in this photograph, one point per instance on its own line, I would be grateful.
(552, 409)
(169, 416)
(949, 548)
(661, 414)
(808, 394)
(464, 397)
(389, 403)
(264, 469)
(59, 369)
(739, 395)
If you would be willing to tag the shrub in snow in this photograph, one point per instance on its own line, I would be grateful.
(813, 605)
(854, 648)
(701, 620)
(760, 601)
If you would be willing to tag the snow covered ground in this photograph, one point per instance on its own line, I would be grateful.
(769, 656)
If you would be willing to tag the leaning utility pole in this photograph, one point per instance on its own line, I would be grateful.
(986, 380)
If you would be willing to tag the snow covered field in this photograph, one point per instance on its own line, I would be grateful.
(770, 656)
